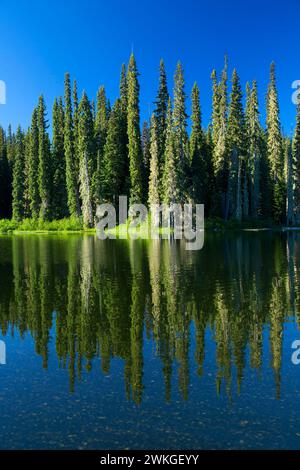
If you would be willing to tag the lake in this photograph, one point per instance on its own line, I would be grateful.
(121, 344)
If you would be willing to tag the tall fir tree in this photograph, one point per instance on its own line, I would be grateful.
(5, 178)
(275, 150)
(101, 120)
(75, 131)
(27, 139)
(198, 180)
(236, 148)
(33, 166)
(124, 88)
(100, 130)
(170, 188)
(219, 134)
(253, 134)
(180, 136)
(114, 157)
(87, 158)
(70, 153)
(124, 139)
(134, 135)
(59, 189)
(146, 156)
(10, 147)
(290, 213)
(160, 111)
(18, 177)
(296, 166)
(44, 167)
(153, 197)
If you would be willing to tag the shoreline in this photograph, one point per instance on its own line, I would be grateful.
(75, 226)
(115, 231)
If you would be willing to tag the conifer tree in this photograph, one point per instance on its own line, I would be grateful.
(198, 163)
(236, 147)
(10, 151)
(101, 120)
(180, 136)
(33, 166)
(146, 156)
(59, 190)
(124, 88)
(27, 138)
(265, 187)
(219, 134)
(124, 139)
(44, 167)
(290, 215)
(113, 164)
(70, 153)
(160, 111)
(18, 177)
(10, 147)
(75, 131)
(253, 133)
(275, 150)
(215, 117)
(210, 188)
(134, 136)
(296, 167)
(87, 158)
(170, 189)
(153, 197)
(5, 181)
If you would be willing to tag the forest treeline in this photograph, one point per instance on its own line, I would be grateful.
(238, 168)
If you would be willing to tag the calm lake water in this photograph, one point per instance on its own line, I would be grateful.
(118, 344)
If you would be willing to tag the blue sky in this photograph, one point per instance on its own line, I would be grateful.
(40, 41)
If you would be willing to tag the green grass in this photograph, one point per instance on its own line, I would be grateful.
(143, 230)
(75, 224)
(71, 224)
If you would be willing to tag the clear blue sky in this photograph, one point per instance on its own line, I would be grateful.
(40, 41)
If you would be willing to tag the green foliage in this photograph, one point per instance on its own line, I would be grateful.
(58, 190)
(18, 177)
(275, 150)
(179, 121)
(87, 165)
(236, 145)
(296, 166)
(38, 225)
(33, 166)
(44, 167)
(146, 156)
(5, 178)
(113, 164)
(161, 105)
(254, 148)
(70, 153)
(153, 197)
(8, 225)
(134, 135)
(169, 188)
(198, 171)
(100, 133)
(238, 169)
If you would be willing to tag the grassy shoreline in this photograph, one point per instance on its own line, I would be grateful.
(75, 225)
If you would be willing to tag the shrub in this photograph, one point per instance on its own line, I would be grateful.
(7, 225)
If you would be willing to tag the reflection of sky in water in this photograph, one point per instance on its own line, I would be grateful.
(38, 410)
